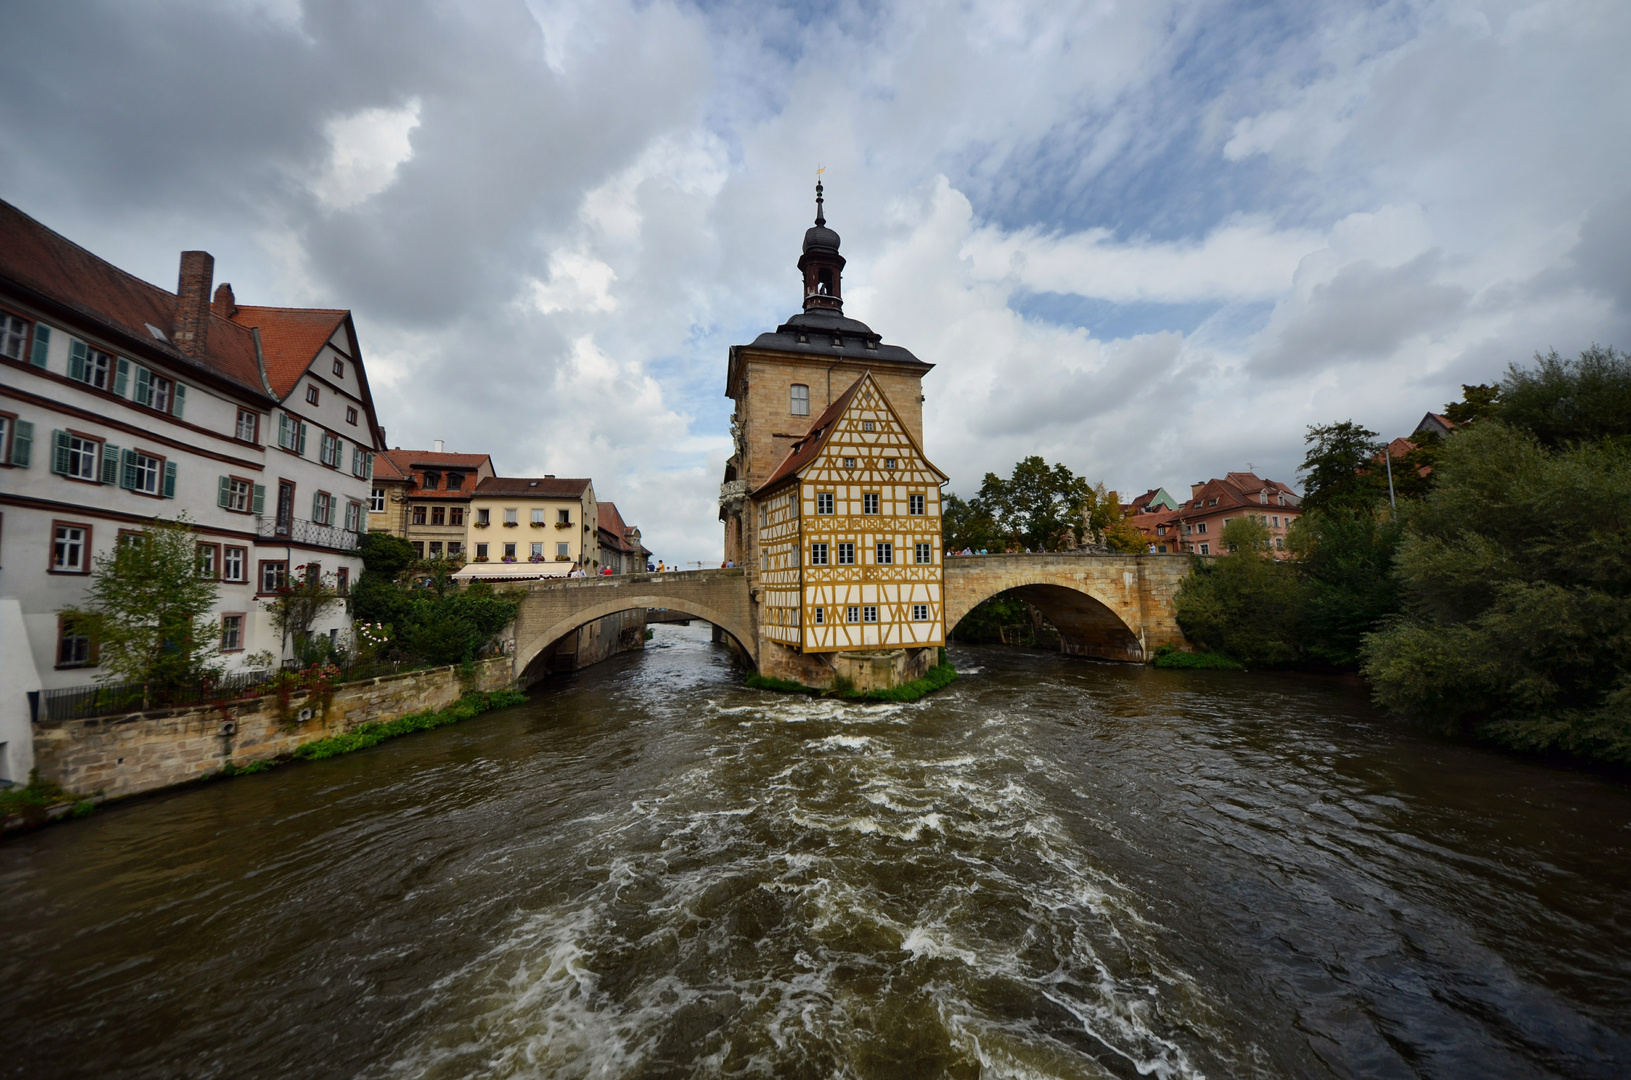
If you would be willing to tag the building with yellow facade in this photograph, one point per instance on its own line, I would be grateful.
(836, 519)
(529, 527)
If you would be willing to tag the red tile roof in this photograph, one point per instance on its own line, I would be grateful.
(411, 465)
(385, 469)
(59, 270)
(290, 339)
(805, 450)
(542, 487)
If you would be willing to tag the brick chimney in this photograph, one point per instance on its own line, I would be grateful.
(224, 304)
(191, 331)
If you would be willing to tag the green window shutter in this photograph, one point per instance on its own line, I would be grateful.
(110, 464)
(127, 471)
(283, 430)
(368, 467)
(121, 377)
(77, 355)
(356, 461)
(223, 491)
(144, 386)
(59, 459)
(178, 401)
(300, 448)
(316, 504)
(259, 505)
(22, 442)
(169, 479)
(42, 345)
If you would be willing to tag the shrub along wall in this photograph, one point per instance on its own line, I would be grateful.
(127, 755)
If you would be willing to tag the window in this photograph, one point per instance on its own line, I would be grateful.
(509, 551)
(1201, 528)
(322, 508)
(249, 425)
(867, 425)
(148, 475)
(914, 505)
(13, 336)
(537, 516)
(430, 480)
(339, 368)
(232, 633)
(852, 613)
(362, 463)
(455, 515)
(291, 433)
(481, 551)
(538, 550)
(764, 516)
(233, 562)
(886, 553)
(482, 517)
(1263, 497)
(329, 450)
(799, 400)
(920, 612)
(1212, 502)
(376, 501)
(1160, 530)
(208, 561)
(889, 463)
(419, 549)
(273, 575)
(849, 463)
(818, 554)
(511, 516)
(436, 549)
(438, 515)
(77, 457)
(154, 391)
(819, 616)
(353, 517)
(869, 613)
(454, 547)
(91, 366)
(350, 414)
(563, 517)
(563, 551)
(71, 549)
(1280, 543)
(1206, 549)
(922, 554)
(1276, 521)
(342, 580)
(418, 515)
(869, 502)
(846, 554)
(312, 395)
(455, 481)
(73, 644)
(824, 502)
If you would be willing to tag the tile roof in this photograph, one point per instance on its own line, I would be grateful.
(1237, 489)
(58, 269)
(411, 465)
(290, 339)
(612, 524)
(541, 487)
(816, 435)
(385, 468)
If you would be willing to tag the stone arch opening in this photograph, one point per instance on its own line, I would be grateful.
(532, 657)
(1087, 627)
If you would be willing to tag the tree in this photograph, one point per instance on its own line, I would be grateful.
(1477, 400)
(428, 616)
(1245, 605)
(1563, 402)
(966, 524)
(1339, 471)
(295, 607)
(149, 611)
(1516, 573)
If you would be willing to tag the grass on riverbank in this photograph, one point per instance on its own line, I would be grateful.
(941, 675)
(365, 735)
(1168, 657)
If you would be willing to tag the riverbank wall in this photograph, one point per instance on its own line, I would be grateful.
(119, 756)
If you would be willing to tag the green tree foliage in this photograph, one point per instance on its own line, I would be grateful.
(295, 607)
(1516, 572)
(1561, 402)
(429, 617)
(1041, 507)
(1339, 471)
(149, 611)
(1245, 605)
(1477, 401)
(1345, 564)
(967, 524)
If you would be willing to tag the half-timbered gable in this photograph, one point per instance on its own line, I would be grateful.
(849, 533)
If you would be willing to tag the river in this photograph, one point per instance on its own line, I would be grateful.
(1054, 868)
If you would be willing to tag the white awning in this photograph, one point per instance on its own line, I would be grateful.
(516, 571)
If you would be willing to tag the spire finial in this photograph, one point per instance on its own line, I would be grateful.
(821, 216)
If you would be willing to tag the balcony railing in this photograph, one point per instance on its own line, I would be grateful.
(301, 531)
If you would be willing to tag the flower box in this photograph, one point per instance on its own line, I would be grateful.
(563, 558)
(510, 524)
(479, 524)
(536, 558)
(538, 524)
(509, 558)
(479, 558)
(563, 524)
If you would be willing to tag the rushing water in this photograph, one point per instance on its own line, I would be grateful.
(1053, 868)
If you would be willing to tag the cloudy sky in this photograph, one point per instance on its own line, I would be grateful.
(1151, 240)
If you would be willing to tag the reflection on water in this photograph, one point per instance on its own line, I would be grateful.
(1054, 868)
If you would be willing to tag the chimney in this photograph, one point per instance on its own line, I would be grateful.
(1195, 489)
(438, 445)
(192, 326)
(224, 304)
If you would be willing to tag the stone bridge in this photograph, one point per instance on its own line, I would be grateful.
(1115, 607)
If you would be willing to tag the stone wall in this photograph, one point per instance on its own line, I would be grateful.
(624, 631)
(126, 755)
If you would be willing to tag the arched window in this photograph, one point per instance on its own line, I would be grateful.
(799, 400)
(824, 281)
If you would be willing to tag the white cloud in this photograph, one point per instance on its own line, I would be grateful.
(577, 282)
(365, 151)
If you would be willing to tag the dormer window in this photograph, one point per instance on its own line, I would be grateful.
(455, 481)
(1264, 497)
(431, 480)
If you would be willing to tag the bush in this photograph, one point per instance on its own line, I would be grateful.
(1168, 657)
(1244, 605)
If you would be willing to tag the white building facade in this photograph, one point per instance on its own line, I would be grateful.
(122, 403)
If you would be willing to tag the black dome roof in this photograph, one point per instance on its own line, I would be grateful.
(819, 236)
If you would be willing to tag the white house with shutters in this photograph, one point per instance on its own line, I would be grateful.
(122, 402)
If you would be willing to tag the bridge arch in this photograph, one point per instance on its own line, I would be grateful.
(552, 611)
(1110, 607)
